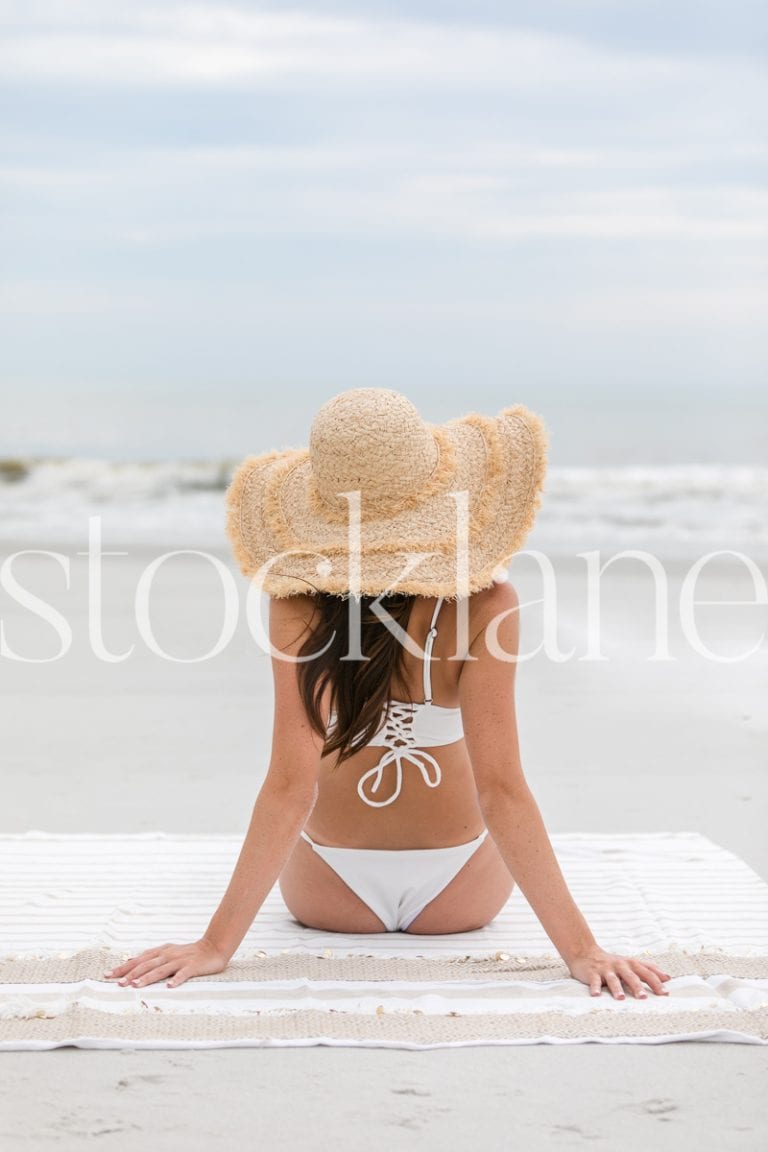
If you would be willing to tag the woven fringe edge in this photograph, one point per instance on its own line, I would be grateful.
(93, 963)
(399, 1028)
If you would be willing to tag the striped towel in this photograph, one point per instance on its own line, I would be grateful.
(72, 906)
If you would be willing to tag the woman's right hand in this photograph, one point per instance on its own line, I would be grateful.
(177, 961)
(597, 967)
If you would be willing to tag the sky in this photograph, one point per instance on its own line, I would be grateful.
(215, 216)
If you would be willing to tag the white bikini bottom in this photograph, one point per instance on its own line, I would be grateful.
(397, 883)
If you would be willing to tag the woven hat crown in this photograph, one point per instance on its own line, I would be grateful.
(372, 440)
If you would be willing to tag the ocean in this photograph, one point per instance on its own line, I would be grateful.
(674, 511)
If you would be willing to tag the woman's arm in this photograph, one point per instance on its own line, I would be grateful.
(277, 819)
(288, 793)
(282, 807)
(486, 688)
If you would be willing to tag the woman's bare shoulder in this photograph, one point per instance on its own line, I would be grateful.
(295, 607)
(497, 603)
(497, 597)
(288, 617)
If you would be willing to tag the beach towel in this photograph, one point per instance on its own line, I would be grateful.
(73, 906)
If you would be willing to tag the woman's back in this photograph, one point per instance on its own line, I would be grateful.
(421, 815)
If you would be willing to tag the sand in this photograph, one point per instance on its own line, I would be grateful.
(147, 743)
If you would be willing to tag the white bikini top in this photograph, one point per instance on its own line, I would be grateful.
(407, 728)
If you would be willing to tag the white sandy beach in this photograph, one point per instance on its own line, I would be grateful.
(620, 745)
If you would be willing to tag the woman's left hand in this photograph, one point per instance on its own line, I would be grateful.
(179, 961)
(596, 967)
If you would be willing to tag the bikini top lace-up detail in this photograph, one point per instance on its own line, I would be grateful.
(408, 728)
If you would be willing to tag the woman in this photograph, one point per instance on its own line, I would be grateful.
(395, 799)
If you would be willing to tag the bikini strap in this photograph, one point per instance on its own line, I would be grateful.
(428, 652)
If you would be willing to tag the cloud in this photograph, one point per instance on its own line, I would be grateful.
(489, 158)
(212, 46)
(179, 171)
(487, 194)
(63, 298)
(655, 311)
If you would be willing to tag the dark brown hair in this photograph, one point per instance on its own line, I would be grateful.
(359, 688)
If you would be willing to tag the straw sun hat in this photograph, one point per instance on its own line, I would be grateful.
(430, 509)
